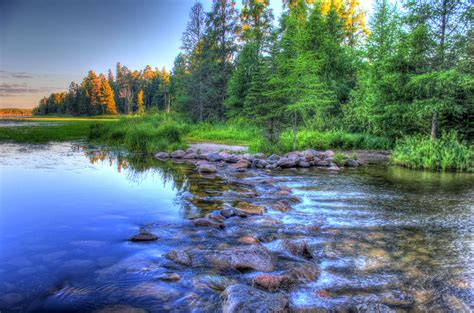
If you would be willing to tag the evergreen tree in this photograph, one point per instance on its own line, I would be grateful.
(140, 109)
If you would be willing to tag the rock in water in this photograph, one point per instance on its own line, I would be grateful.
(144, 235)
(190, 156)
(351, 163)
(241, 164)
(250, 208)
(207, 223)
(178, 154)
(162, 156)
(206, 168)
(286, 163)
(241, 298)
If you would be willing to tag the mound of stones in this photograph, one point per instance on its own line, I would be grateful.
(206, 162)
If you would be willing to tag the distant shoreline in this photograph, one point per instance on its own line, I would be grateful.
(15, 112)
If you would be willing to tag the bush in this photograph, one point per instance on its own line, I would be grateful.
(446, 153)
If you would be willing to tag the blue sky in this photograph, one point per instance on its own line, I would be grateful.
(46, 44)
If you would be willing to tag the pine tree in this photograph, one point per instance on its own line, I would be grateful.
(140, 109)
(107, 100)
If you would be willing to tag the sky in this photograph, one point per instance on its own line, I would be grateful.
(46, 44)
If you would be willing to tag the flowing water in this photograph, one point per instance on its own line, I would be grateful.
(380, 235)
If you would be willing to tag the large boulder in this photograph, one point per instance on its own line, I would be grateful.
(241, 298)
(178, 154)
(241, 258)
(162, 155)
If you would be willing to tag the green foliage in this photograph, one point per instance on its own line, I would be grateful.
(443, 154)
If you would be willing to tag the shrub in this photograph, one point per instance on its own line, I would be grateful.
(446, 153)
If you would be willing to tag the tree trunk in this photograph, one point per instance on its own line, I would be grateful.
(434, 126)
(294, 131)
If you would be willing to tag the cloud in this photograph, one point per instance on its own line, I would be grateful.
(7, 74)
(13, 89)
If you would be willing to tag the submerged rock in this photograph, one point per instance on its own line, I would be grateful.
(373, 308)
(250, 240)
(271, 282)
(168, 277)
(207, 222)
(121, 308)
(250, 208)
(144, 235)
(212, 281)
(350, 163)
(179, 256)
(242, 298)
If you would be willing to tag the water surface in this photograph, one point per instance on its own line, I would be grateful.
(387, 235)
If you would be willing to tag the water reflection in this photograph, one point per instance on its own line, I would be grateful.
(389, 236)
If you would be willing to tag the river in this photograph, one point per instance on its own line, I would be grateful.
(372, 238)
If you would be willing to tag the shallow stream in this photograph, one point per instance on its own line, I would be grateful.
(377, 235)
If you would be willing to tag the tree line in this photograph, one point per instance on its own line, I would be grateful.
(408, 70)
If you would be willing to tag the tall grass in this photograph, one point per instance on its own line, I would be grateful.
(145, 134)
(306, 139)
(444, 154)
(232, 132)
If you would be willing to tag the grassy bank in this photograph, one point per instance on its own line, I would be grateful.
(143, 134)
(444, 154)
(49, 129)
(151, 133)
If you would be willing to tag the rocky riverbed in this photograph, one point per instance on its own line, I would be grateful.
(244, 238)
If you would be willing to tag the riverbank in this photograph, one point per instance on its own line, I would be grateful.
(150, 133)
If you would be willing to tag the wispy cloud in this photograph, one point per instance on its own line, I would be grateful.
(12, 89)
(7, 74)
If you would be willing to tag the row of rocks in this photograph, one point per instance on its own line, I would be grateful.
(241, 162)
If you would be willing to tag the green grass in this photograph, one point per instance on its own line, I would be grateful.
(164, 132)
(337, 140)
(444, 154)
(143, 134)
(53, 130)
(233, 133)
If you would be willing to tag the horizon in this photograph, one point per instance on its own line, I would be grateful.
(30, 69)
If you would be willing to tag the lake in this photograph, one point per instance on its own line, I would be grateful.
(375, 237)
